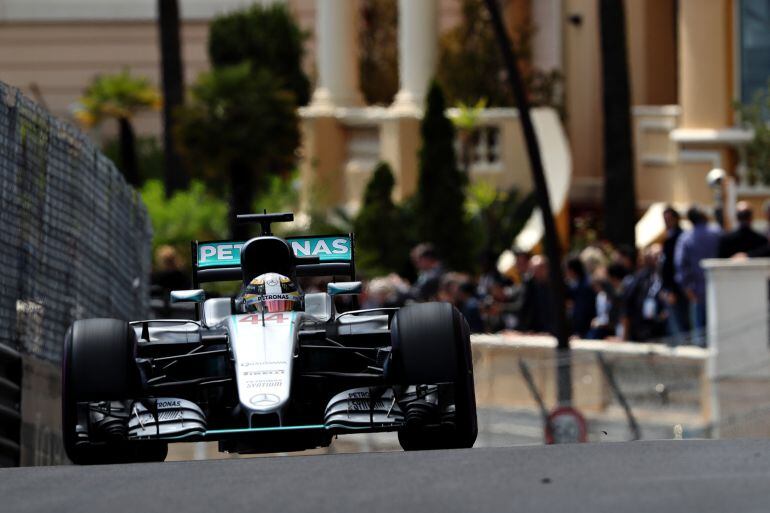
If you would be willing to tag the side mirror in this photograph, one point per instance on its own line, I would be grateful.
(343, 287)
(188, 296)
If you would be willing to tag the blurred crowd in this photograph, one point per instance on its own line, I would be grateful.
(657, 293)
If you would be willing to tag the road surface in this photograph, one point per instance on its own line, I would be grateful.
(681, 476)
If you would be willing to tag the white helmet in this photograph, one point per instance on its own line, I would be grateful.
(275, 292)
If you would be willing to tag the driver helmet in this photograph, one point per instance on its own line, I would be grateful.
(275, 292)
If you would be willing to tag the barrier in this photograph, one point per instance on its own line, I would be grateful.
(10, 400)
(75, 242)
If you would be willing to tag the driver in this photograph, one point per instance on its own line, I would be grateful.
(273, 291)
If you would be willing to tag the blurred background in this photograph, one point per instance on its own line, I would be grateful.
(131, 128)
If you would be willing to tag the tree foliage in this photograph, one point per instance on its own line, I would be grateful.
(268, 38)
(471, 67)
(117, 96)
(497, 217)
(378, 61)
(755, 115)
(187, 215)
(238, 127)
(382, 243)
(149, 156)
(440, 198)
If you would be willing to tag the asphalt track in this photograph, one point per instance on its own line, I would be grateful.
(681, 476)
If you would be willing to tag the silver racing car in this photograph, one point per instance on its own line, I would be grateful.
(272, 369)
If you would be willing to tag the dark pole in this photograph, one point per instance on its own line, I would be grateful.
(552, 246)
(175, 177)
(128, 152)
(619, 187)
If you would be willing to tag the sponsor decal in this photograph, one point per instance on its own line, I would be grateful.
(361, 401)
(264, 383)
(170, 403)
(146, 418)
(327, 249)
(264, 400)
(268, 297)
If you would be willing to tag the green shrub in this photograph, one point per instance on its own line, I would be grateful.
(497, 217)
(440, 198)
(382, 244)
(188, 215)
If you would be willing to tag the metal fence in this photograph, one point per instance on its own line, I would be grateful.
(74, 237)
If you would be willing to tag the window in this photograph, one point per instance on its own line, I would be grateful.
(754, 21)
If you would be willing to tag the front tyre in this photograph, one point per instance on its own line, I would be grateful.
(98, 364)
(431, 345)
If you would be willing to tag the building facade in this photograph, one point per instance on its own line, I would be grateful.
(689, 61)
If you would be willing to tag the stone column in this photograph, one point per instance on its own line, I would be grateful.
(337, 55)
(417, 51)
(705, 64)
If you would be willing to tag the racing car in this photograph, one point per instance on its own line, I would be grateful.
(272, 369)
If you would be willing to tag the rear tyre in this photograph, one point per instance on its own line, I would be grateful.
(431, 344)
(98, 365)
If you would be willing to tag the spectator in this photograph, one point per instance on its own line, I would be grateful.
(489, 274)
(536, 311)
(500, 312)
(458, 289)
(167, 276)
(593, 259)
(643, 315)
(764, 250)
(469, 305)
(429, 272)
(521, 266)
(606, 284)
(743, 239)
(387, 291)
(677, 315)
(766, 212)
(693, 246)
(626, 256)
(582, 298)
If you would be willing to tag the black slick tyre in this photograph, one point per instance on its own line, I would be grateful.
(98, 365)
(431, 344)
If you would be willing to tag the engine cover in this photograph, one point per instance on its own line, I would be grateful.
(172, 418)
(359, 407)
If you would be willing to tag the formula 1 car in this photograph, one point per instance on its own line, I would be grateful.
(270, 370)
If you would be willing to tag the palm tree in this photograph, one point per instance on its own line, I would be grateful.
(175, 176)
(119, 97)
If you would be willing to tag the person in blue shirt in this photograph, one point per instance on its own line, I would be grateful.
(693, 246)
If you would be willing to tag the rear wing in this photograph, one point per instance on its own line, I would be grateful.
(220, 260)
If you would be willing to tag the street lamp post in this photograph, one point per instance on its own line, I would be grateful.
(552, 246)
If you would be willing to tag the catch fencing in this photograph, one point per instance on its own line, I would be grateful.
(75, 242)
